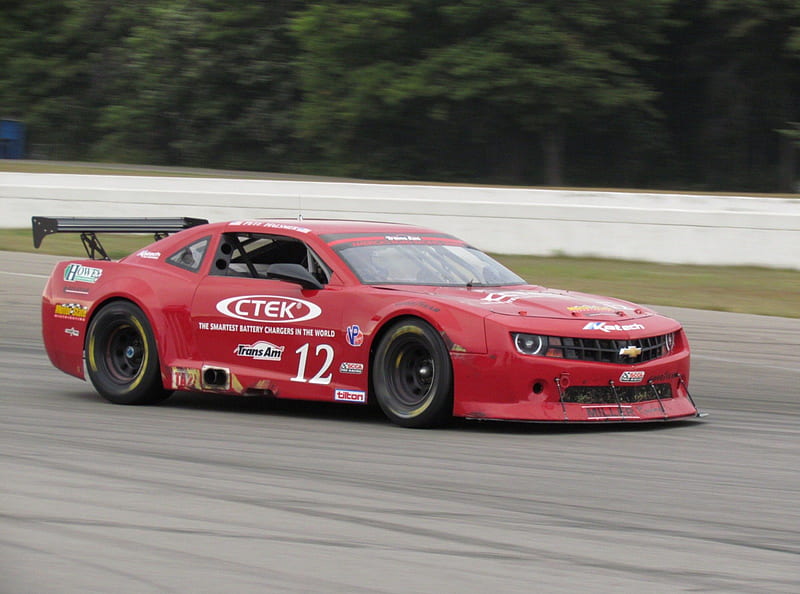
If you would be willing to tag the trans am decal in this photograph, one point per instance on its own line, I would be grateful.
(338, 241)
(260, 351)
(269, 308)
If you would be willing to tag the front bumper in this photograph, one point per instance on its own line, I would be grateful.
(509, 386)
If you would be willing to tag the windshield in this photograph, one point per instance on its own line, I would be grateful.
(424, 263)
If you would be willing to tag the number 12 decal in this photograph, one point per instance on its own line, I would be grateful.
(319, 377)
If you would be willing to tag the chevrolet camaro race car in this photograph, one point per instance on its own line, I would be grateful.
(415, 320)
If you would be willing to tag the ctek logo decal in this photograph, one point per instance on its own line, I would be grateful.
(631, 377)
(261, 351)
(82, 274)
(350, 396)
(269, 308)
(605, 327)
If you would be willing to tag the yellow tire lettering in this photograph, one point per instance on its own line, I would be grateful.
(145, 353)
(92, 362)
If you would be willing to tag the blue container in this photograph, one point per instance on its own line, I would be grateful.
(12, 139)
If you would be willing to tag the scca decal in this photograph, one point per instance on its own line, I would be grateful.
(631, 377)
(354, 368)
(269, 308)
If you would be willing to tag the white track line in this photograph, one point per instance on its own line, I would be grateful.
(25, 274)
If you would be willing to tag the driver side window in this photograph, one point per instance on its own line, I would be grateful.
(251, 255)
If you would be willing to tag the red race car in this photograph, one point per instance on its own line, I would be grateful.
(413, 319)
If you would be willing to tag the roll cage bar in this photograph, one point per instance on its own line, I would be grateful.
(89, 226)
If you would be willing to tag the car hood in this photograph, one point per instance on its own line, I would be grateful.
(535, 301)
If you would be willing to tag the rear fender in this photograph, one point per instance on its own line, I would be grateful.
(169, 322)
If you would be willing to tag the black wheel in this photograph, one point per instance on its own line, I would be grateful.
(121, 356)
(412, 377)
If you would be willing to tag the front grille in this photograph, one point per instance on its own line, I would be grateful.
(609, 351)
(625, 394)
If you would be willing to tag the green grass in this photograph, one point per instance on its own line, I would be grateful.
(723, 288)
(12, 165)
(69, 244)
(742, 289)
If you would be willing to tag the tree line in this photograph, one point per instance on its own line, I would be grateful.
(679, 94)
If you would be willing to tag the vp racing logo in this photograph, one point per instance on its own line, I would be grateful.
(269, 308)
(355, 337)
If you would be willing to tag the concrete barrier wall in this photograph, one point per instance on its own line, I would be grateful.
(669, 228)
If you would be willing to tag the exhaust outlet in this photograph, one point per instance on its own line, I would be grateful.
(217, 378)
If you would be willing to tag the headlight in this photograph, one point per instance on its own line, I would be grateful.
(530, 344)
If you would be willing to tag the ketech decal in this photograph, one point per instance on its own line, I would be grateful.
(350, 396)
(148, 255)
(261, 351)
(82, 274)
(269, 308)
(606, 327)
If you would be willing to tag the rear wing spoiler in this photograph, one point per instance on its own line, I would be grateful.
(89, 226)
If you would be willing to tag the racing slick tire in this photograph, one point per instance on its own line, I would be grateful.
(121, 356)
(412, 376)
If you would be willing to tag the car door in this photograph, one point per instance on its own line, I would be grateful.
(267, 335)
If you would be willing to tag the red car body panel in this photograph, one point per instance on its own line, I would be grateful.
(279, 339)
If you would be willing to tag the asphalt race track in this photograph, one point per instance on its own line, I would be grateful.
(208, 494)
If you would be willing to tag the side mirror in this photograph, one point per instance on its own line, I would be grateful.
(294, 273)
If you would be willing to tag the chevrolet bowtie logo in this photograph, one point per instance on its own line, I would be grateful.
(630, 351)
